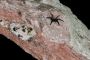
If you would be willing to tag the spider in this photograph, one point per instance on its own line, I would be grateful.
(54, 19)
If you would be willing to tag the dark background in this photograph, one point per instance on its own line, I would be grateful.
(81, 8)
(9, 50)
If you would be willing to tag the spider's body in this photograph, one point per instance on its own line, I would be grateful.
(53, 19)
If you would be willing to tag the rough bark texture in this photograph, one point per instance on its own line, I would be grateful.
(27, 23)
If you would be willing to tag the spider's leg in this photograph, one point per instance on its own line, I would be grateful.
(51, 22)
(51, 14)
(57, 16)
(48, 17)
(60, 20)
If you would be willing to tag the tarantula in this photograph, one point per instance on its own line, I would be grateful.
(53, 19)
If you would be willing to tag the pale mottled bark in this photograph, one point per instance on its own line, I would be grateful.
(67, 41)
